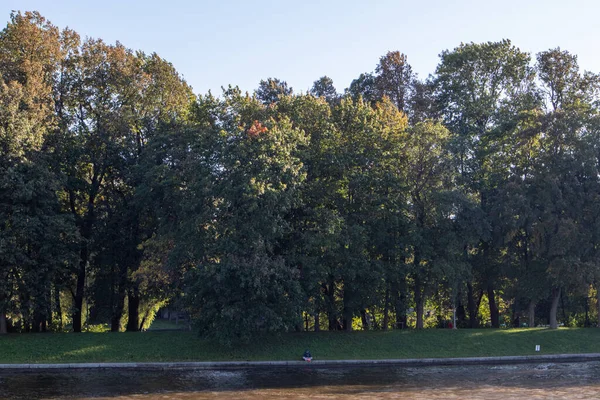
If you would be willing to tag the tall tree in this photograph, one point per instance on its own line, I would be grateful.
(364, 86)
(394, 78)
(241, 284)
(34, 234)
(476, 84)
(271, 90)
(428, 176)
(323, 87)
(565, 175)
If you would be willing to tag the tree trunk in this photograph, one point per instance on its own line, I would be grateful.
(471, 306)
(78, 299)
(531, 314)
(332, 326)
(134, 310)
(305, 322)
(419, 303)
(40, 310)
(58, 307)
(331, 314)
(317, 322)
(461, 315)
(3, 325)
(420, 306)
(554, 307)
(363, 318)
(386, 310)
(347, 322)
(348, 314)
(598, 298)
(119, 293)
(47, 324)
(516, 316)
(562, 306)
(494, 313)
(115, 321)
(149, 311)
(586, 323)
(37, 321)
(397, 300)
(85, 229)
(401, 312)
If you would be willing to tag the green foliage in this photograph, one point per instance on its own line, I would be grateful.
(239, 280)
(323, 87)
(121, 192)
(272, 90)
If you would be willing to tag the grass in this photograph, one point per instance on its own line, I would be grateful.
(186, 346)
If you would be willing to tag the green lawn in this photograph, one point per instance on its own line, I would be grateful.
(186, 346)
(161, 324)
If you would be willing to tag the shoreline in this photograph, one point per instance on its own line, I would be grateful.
(407, 362)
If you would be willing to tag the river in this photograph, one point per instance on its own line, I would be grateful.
(531, 381)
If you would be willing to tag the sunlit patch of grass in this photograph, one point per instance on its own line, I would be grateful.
(518, 330)
(84, 352)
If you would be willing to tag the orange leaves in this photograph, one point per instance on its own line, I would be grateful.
(256, 129)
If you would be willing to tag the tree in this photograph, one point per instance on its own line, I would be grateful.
(421, 104)
(567, 171)
(240, 282)
(393, 78)
(323, 87)
(89, 137)
(364, 149)
(37, 242)
(29, 52)
(364, 86)
(34, 234)
(428, 176)
(481, 88)
(154, 95)
(563, 85)
(271, 90)
(111, 103)
(313, 221)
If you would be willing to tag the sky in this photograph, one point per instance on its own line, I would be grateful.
(217, 43)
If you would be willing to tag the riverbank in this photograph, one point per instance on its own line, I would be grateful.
(171, 347)
(404, 362)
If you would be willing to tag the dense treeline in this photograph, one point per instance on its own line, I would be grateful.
(396, 204)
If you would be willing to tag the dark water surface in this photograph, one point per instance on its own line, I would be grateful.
(526, 381)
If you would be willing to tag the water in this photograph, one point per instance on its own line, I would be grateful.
(543, 381)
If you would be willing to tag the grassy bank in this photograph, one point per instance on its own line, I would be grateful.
(186, 346)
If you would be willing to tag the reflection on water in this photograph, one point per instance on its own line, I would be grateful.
(547, 381)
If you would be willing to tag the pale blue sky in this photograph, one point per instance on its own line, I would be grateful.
(215, 43)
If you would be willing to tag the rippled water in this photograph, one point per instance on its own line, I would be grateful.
(544, 381)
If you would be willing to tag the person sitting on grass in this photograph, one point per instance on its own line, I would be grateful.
(307, 357)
